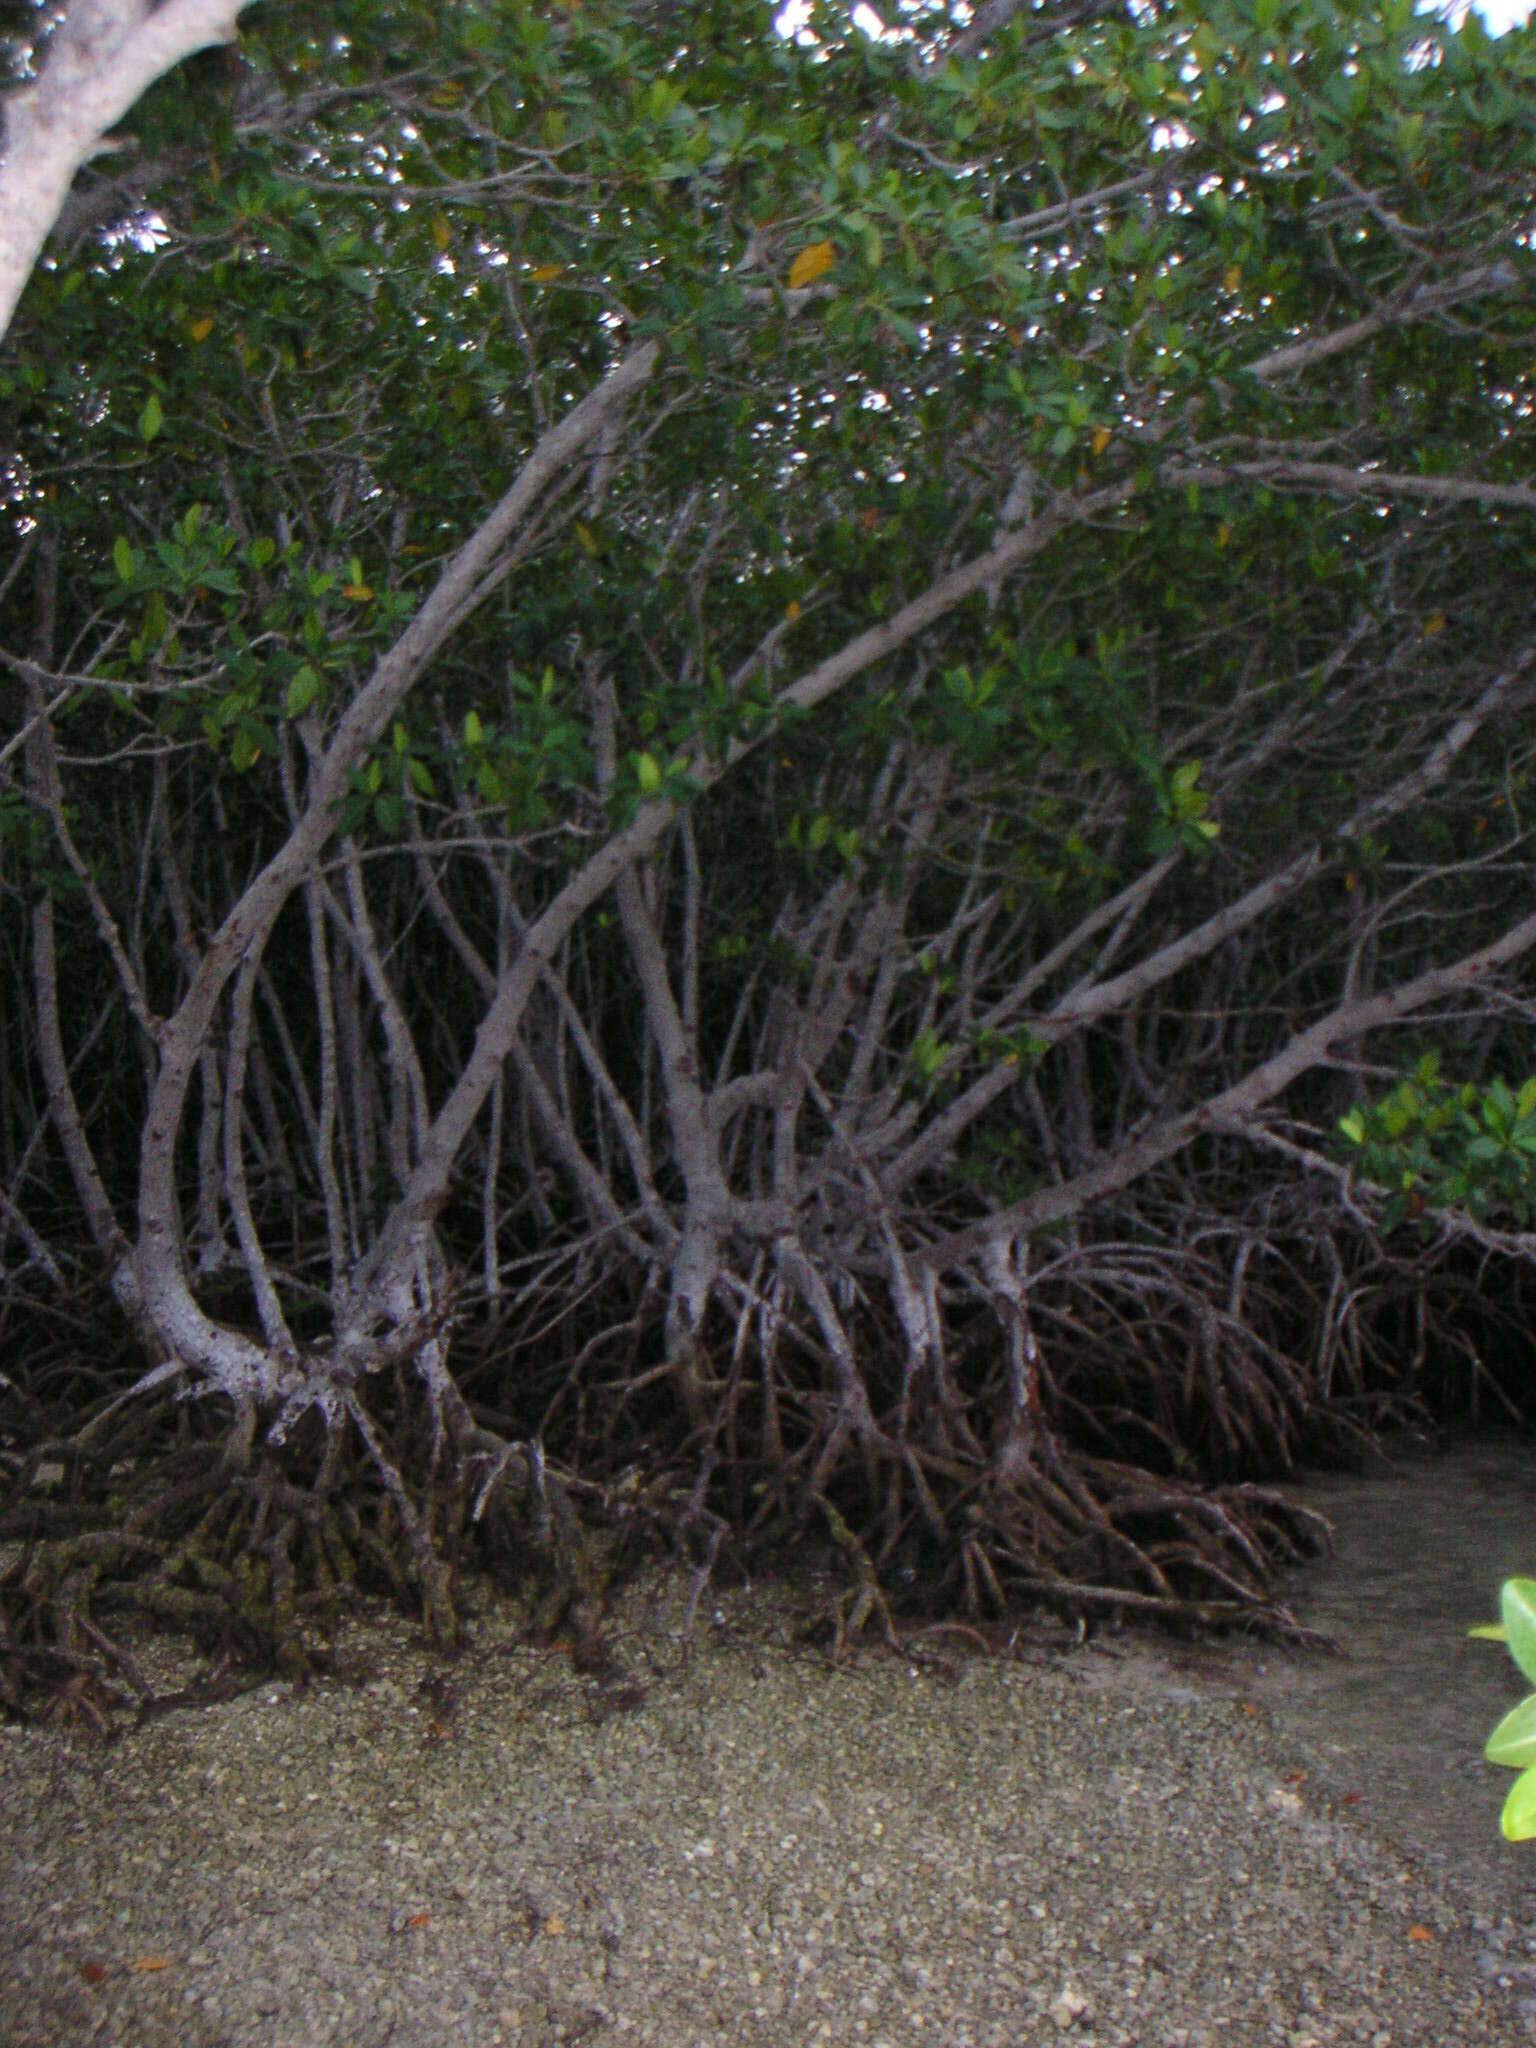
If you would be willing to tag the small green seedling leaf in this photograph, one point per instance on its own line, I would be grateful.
(1513, 1742)
(1517, 1604)
(1518, 1820)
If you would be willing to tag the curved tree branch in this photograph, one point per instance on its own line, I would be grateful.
(102, 57)
(1236, 1107)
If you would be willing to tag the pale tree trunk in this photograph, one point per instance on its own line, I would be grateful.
(102, 57)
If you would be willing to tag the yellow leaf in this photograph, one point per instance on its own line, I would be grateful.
(442, 234)
(587, 537)
(145, 1964)
(554, 1924)
(1101, 439)
(1419, 1932)
(360, 593)
(1434, 625)
(1223, 534)
(1349, 882)
(542, 273)
(1233, 277)
(792, 609)
(813, 261)
(201, 329)
(215, 173)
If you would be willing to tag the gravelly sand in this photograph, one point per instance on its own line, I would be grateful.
(749, 1846)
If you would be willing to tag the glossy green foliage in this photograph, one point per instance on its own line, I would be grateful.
(410, 235)
(1439, 1144)
(1513, 1742)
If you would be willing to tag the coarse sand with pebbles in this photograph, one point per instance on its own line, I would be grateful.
(739, 1844)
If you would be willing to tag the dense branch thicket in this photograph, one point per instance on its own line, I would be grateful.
(721, 751)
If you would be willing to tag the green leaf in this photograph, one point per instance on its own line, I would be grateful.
(1499, 1108)
(929, 1052)
(421, 777)
(1514, 1740)
(151, 419)
(1353, 1127)
(303, 689)
(1517, 1605)
(474, 731)
(648, 773)
(1518, 1820)
(123, 558)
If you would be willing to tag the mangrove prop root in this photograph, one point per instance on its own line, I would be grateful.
(1115, 1464)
